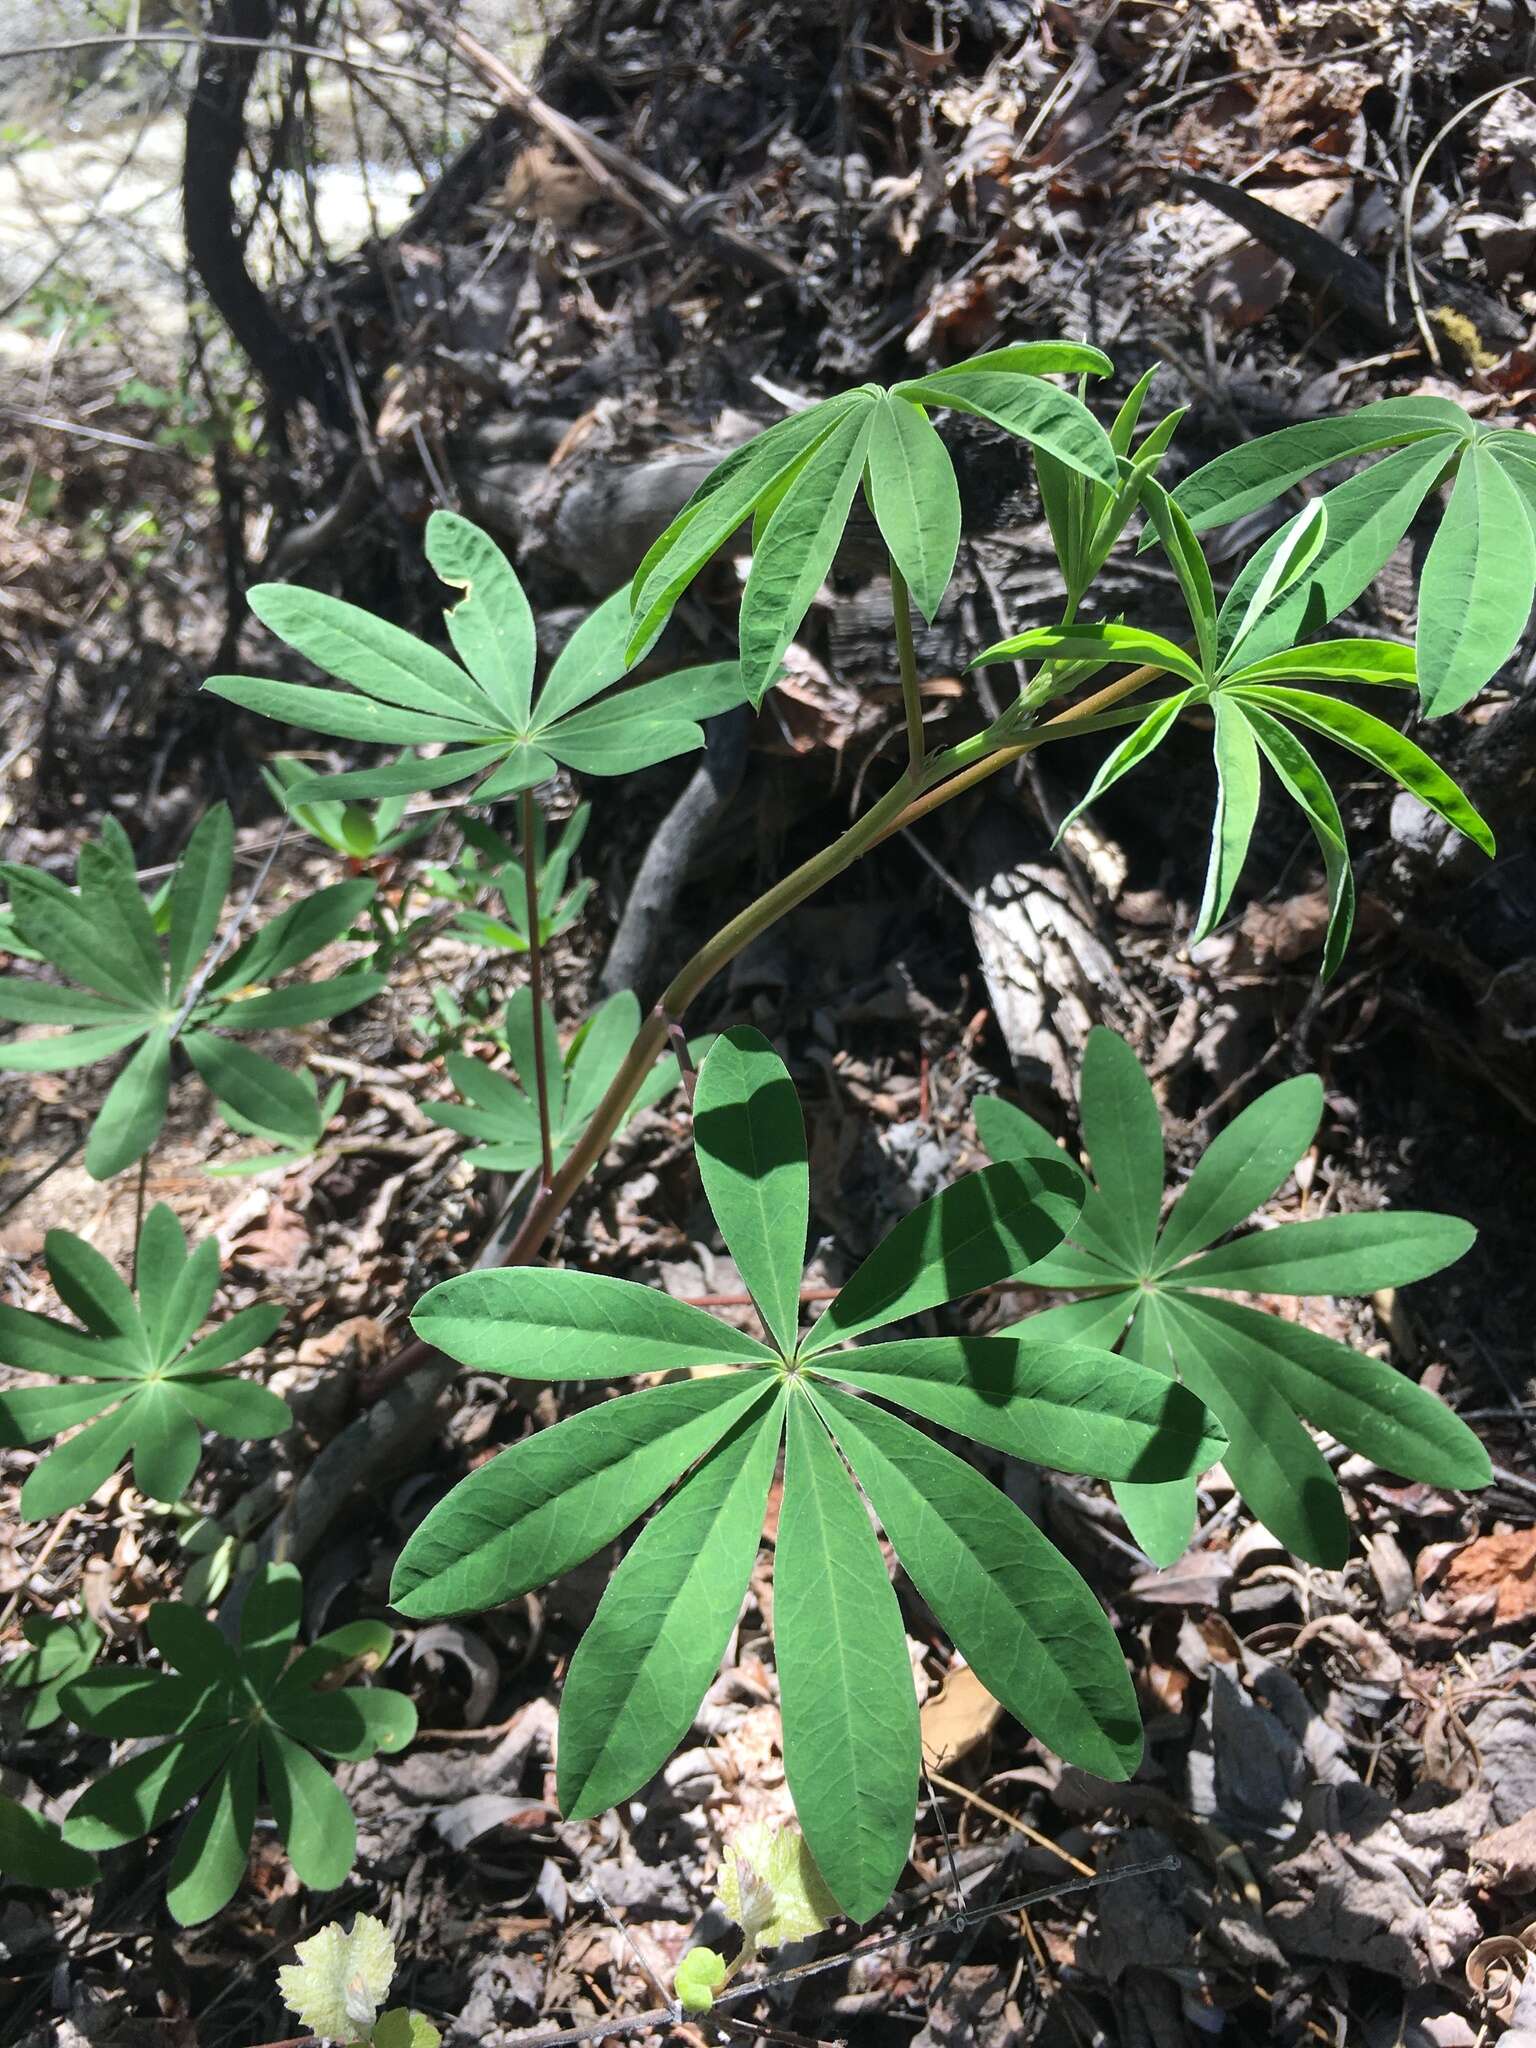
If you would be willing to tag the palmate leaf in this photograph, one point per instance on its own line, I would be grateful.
(1261, 1377)
(494, 727)
(223, 1756)
(561, 1494)
(499, 1110)
(138, 990)
(1479, 576)
(796, 483)
(133, 1376)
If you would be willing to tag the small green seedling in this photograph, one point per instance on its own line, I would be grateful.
(403, 692)
(132, 992)
(500, 1108)
(57, 1651)
(771, 1888)
(340, 1982)
(133, 1375)
(491, 863)
(1023, 1617)
(236, 1717)
(1160, 1295)
(34, 1853)
(358, 831)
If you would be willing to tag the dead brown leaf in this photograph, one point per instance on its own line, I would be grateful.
(958, 1719)
(1504, 1564)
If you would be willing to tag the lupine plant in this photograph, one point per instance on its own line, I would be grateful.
(1026, 1621)
(1145, 1379)
(237, 1718)
(129, 990)
(1159, 1291)
(133, 1375)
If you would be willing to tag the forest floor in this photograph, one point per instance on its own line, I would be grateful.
(1342, 1763)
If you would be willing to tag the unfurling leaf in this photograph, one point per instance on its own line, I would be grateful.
(697, 1978)
(341, 1979)
(771, 1888)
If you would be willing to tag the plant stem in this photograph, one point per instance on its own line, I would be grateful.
(906, 655)
(536, 985)
(975, 764)
(716, 953)
(904, 803)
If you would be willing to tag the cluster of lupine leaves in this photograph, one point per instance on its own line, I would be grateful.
(1146, 1378)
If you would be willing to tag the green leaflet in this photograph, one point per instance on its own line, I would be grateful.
(750, 1140)
(133, 1112)
(126, 1345)
(1037, 412)
(1124, 1137)
(798, 544)
(1295, 552)
(1259, 471)
(1304, 783)
(540, 1324)
(986, 1227)
(916, 502)
(403, 692)
(34, 1852)
(1242, 1167)
(1383, 747)
(845, 1683)
(1024, 1619)
(198, 888)
(215, 1745)
(1189, 565)
(1355, 661)
(552, 1500)
(1161, 1517)
(1333, 1255)
(491, 626)
(1237, 810)
(1475, 592)
(1154, 727)
(1272, 1460)
(1368, 515)
(1067, 1406)
(660, 1630)
(1110, 643)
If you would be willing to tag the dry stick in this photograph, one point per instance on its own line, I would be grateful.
(536, 987)
(190, 39)
(951, 1923)
(619, 177)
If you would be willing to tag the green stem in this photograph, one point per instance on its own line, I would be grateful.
(536, 985)
(906, 655)
(909, 799)
(716, 953)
